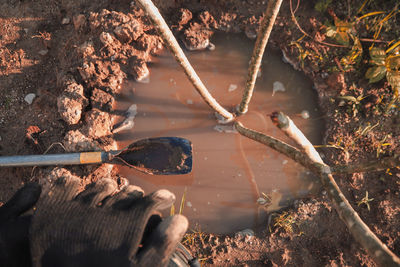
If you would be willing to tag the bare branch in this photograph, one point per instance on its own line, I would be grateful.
(169, 39)
(360, 231)
(280, 146)
(262, 39)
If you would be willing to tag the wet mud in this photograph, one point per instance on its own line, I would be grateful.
(230, 172)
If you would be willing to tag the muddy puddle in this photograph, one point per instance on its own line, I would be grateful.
(230, 172)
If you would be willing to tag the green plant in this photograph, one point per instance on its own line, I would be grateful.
(341, 31)
(365, 200)
(354, 102)
(385, 63)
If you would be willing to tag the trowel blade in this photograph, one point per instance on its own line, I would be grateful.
(159, 156)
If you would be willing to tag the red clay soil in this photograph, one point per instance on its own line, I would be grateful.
(73, 55)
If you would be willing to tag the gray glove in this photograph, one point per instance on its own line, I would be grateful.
(96, 228)
(14, 227)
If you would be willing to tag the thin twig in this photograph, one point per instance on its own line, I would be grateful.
(169, 39)
(264, 32)
(296, 155)
(379, 165)
(360, 231)
(305, 33)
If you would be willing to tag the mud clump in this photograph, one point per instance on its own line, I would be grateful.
(71, 102)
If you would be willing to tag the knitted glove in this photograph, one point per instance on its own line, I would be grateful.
(96, 228)
(14, 227)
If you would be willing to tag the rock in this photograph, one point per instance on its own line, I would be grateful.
(86, 49)
(278, 87)
(53, 175)
(139, 70)
(79, 21)
(106, 38)
(305, 114)
(76, 141)
(128, 31)
(65, 21)
(101, 100)
(128, 123)
(71, 103)
(29, 98)
(43, 52)
(87, 70)
(232, 87)
(244, 233)
(98, 124)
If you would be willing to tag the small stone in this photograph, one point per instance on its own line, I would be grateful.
(76, 141)
(65, 21)
(106, 38)
(128, 123)
(43, 52)
(29, 98)
(305, 114)
(189, 101)
(244, 233)
(278, 87)
(232, 87)
(139, 70)
(98, 123)
(71, 103)
(79, 21)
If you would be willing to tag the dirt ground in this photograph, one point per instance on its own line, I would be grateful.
(74, 55)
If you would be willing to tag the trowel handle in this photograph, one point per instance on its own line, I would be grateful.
(55, 159)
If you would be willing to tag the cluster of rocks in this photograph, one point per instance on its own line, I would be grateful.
(112, 46)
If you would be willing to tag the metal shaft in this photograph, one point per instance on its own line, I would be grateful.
(54, 159)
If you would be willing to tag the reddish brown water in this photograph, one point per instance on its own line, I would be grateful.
(229, 171)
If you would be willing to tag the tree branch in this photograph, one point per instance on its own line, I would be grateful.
(266, 26)
(360, 231)
(169, 39)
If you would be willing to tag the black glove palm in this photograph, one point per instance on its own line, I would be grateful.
(74, 230)
(14, 242)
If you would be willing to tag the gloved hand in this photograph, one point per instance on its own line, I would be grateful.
(96, 228)
(14, 227)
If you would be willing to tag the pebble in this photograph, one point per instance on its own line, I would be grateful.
(305, 114)
(43, 52)
(65, 21)
(278, 87)
(128, 123)
(232, 87)
(245, 233)
(29, 98)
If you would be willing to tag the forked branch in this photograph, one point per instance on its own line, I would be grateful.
(360, 231)
(169, 39)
